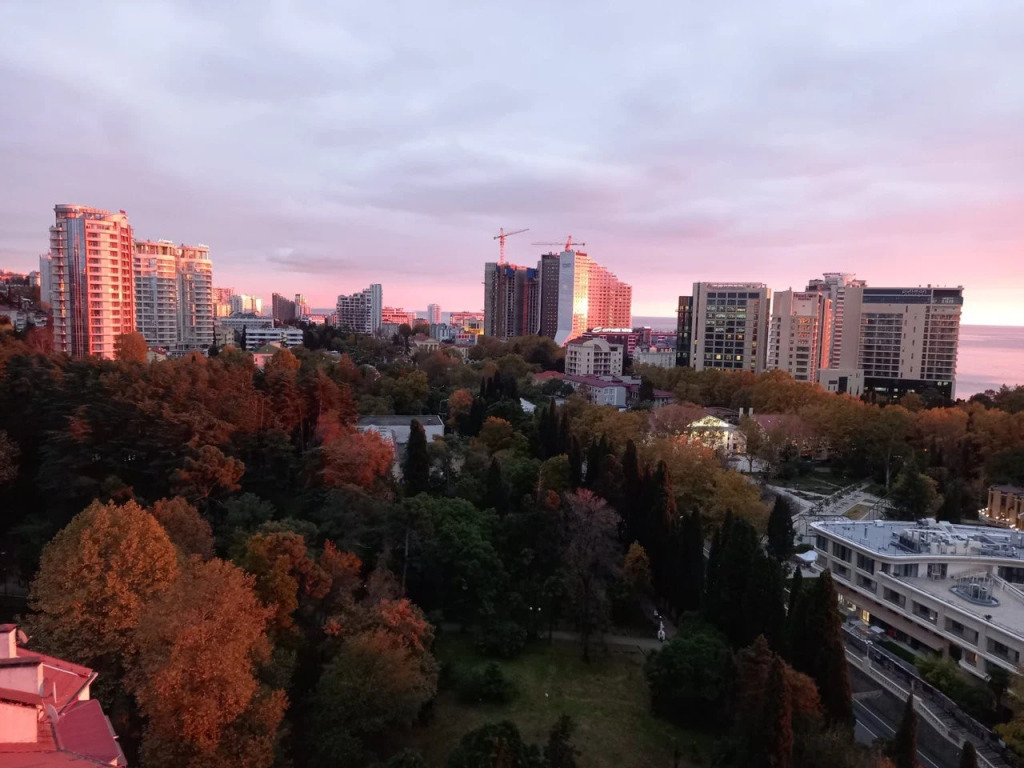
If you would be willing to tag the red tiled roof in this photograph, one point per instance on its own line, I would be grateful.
(21, 697)
(63, 681)
(84, 730)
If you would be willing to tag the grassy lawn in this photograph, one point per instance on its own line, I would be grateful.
(857, 511)
(607, 698)
(816, 482)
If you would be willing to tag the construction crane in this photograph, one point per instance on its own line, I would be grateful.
(568, 244)
(502, 234)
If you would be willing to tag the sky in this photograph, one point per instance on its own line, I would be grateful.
(319, 146)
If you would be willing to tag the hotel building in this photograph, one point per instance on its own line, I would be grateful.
(798, 333)
(577, 294)
(955, 590)
(729, 325)
(92, 290)
(904, 339)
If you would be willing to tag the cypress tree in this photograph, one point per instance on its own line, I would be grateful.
(609, 486)
(496, 491)
(564, 438)
(575, 464)
(780, 530)
(763, 604)
(740, 549)
(416, 468)
(632, 488)
(820, 652)
(776, 727)
(659, 526)
(968, 756)
(712, 587)
(903, 748)
(692, 588)
(793, 618)
(595, 461)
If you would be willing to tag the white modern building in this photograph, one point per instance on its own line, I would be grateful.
(260, 337)
(659, 358)
(396, 429)
(799, 332)
(956, 590)
(361, 312)
(593, 357)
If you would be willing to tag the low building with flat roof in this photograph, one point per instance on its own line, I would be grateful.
(396, 429)
(957, 590)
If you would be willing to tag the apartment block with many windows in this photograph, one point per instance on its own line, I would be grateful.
(798, 333)
(730, 325)
(156, 292)
(593, 357)
(956, 590)
(361, 312)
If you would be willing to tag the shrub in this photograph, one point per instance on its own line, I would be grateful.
(503, 639)
(487, 685)
(691, 676)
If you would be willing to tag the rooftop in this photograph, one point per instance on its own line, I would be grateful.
(427, 420)
(900, 538)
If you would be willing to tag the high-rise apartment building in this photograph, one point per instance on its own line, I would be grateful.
(684, 330)
(92, 289)
(799, 333)
(903, 339)
(577, 294)
(397, 316)
(222, 301)
(434, 314)
(195, 297)
(730, 325)
(284, 310)
(511, 294)
(45, 278)
(834, 285)
(361, 312)
(156, 292)
(301, 307)
(245, 303)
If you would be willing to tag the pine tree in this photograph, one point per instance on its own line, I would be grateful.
(793, 614)
(903, 748)
(496, 491)
(763, 604)
(818, 650)
(632, 488)
(740, 550)
(416, 468)
(968, 756)
(692, 588)
(780, 530)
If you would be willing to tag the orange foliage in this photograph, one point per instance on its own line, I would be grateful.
(355, 458)
(209, 473)
(185, 527)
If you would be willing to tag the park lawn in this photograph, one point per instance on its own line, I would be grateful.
(607, 699)
(858, 511)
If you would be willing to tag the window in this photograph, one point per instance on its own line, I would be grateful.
(906, 569)
(821, 543)
(866, 563)
(926, 613)
(841, 551)
(841, 571)
(894, 597)
(956, 628)
(1003, 651)
(937, 570)
(865, 583)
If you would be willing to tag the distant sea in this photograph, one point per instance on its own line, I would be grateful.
(990, 355)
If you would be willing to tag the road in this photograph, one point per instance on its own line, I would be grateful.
(871, 726)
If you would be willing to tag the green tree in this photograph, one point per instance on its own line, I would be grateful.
(495, 745)
(559, 751)
(591, 560)
(691, 588)
(913, 494)
(780, 530)
(968, 756)
(817, 649)
(903, 748)
(416, 467)
(495, 489)
(691, 676)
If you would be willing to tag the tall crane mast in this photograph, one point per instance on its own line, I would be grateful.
(502, 234)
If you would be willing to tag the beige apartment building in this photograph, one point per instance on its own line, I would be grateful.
(799, 333)
(594, 357)
(730, 326)
(92, 289)
(156, 292)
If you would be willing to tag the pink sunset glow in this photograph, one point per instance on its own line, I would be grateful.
(319, 150)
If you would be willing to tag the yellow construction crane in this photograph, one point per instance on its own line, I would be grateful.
(502, 234)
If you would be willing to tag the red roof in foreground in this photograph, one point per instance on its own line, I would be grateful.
(84, 730)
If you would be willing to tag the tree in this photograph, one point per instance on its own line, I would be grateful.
(9, 452)
(354, 458)
(94, 579)
(283, 572)
(780, 530)
(591, 560)
(130, 348)
(495, 489)
(199, 642)
(817, 649)
(416, 468)
(903, 748)
(775, 729)
(913, 494)
(186, 528)
(495, 745)
(559, 751)
(691, 587)
(636, 569)
(206, 474)
(691, 676)
(968, 756)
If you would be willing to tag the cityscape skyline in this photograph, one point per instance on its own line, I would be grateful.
(723, 144)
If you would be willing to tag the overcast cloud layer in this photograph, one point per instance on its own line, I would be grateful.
(319, 146)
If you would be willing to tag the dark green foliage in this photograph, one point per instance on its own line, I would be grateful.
(486, 685)
(575, 464)
(416, 467)
(504, 639)
(691, 676)
(406, 759)
(495, 745)
(495, 490)
(632, 491)
(968, 756)
(772, 742)
(913, 493)
(903, 747)
(559, 752)
(780, 530)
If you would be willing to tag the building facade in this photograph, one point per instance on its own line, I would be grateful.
(397, 315)
(156, 292)
(434, 314)
(948, 589)
(283, 309)
(799, 333)
(222, 301)
(593, 357)
(241, 302)
(511, 295)
(1005, 505)
(361, 312)
(609, 300)
(833, 285)
(92, 288)
(256, 337)
(684, 331)
(904, 339)
(578, 294)
(730, 326)
(195, 297)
